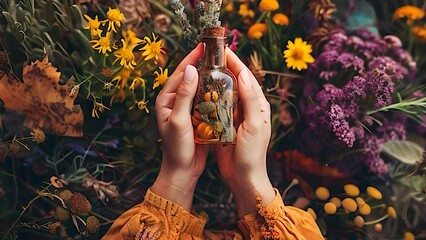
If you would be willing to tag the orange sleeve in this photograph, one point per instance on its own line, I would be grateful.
(156, 218)
(277, 221)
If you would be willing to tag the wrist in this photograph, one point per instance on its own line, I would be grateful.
(246, 189)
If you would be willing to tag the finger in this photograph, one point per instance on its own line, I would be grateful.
(185, 94)
(249, 97)
(234, 63)
(224, 153)
(176, 78)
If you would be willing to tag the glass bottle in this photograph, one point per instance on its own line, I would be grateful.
(215, 101)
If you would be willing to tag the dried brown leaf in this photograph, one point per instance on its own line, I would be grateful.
(44, 102)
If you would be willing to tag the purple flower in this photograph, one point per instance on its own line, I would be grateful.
(235, 35)
(389, 66)
(340, 126)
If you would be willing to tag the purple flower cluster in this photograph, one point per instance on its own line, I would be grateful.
(356, 72)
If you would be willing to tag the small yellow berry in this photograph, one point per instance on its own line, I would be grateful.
(365, 209)
(330, 208)
(374, 193)
(336, 201)
(409, 236)
(378, 227)
(392, 212)
(312, 213)
(349, 204)
(360, 201)
(322, 193)
(359, 221)
(351, 189)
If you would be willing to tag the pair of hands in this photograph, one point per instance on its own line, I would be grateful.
(243, 165)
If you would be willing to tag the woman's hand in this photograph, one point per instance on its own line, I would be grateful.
(183, 160)
(244, 165)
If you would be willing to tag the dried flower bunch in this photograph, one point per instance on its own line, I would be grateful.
(208, 12)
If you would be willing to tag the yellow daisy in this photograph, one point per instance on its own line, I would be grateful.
(161, 77)
(257, 30)
(122, 78)
(298, 54)
(131, 38)
(137, 81)
(98, 108)
(152, 49)
(126, 56)
(103, 44)
(268, 5)
(142, 106)
(114, 18)
(93, 26)
(280, 19)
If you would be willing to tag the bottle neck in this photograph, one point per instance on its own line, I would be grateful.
(215, 55)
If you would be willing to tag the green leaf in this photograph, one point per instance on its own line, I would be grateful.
(76, 15)
(9, 18)
(407, 152)
(20, 36)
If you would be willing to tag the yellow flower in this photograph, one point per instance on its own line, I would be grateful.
(420, 32)
(98, 108)
(374, 193)
(365, 209)
(410, 12)
(360, 201)
(114, 17)
(349, 204)
(93, 25)
(126, 56)
(409, 236)
(268, 5)
(152, 49)
(103, 44)
(257, 30)
(245, 11)
(392, 212)
(330, 208)
(229, 7)
(122, 78)
(336, 201)
(378, 227)
(38, 135)
(142, 106)
(298, 54)
(280, 19)
(131, 38)
(322, 193)
(137, 81)
(161, 77)
(359, 221)
(351, 189)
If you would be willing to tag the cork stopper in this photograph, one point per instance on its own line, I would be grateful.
(214, 32)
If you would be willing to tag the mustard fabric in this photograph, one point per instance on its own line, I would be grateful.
(157, 218)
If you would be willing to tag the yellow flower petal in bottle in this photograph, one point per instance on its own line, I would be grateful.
(349, 204)
(114, 18)
(268, 5)
(322, 193)
(152, 48)
(330, 208)
(374, 193)
(125, 56)
(392, 212)
(142, 105)
(257, 30)
(351, 190)
(298, 54)
(161, 77)
(280, 19)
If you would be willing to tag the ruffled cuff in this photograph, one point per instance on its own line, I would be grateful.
(181, 220)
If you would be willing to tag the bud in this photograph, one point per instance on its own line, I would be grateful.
(62, 214)
(92, 224)
(79, 204)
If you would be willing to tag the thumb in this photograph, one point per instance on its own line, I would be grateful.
(248, 95)
(185, 93)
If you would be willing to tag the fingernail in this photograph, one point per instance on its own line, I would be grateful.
(190, 73)
(245, 77)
